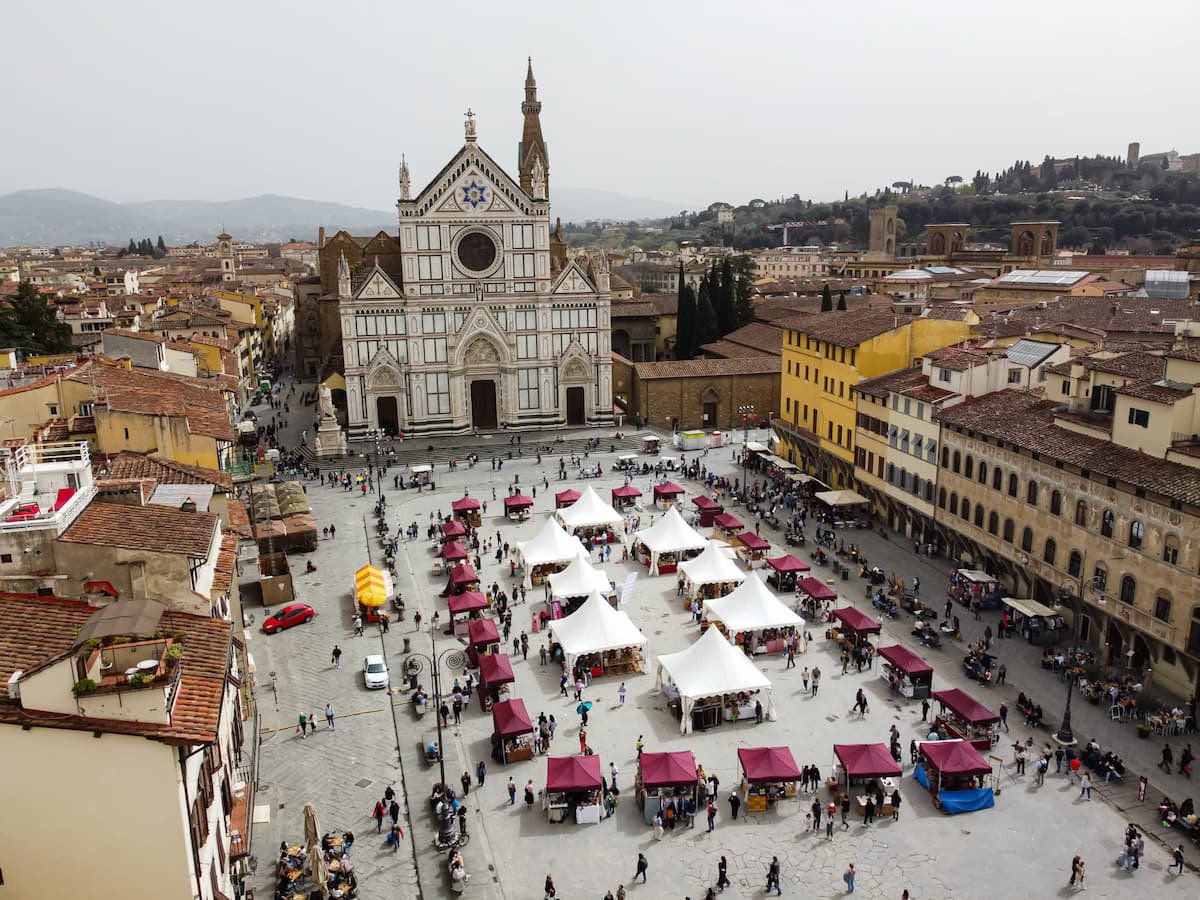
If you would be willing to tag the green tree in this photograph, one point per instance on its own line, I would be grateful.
(162, 245)
(726, 294)
(707, 329)
(132, 248)
(743, 290)
(30, 324)
(826, 299)
(842, 301)
(685, 320)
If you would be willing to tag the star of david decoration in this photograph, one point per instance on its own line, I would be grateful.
(474, 194)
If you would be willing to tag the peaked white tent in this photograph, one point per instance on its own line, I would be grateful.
(579, 579)
(551, 546)
(712, 567)
(589, 511)
(669, 535)
(596, 628)
(711, 668)
(749, 607)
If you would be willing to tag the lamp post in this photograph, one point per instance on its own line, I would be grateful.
(415, 664)
(1065, 735)
(745, 411)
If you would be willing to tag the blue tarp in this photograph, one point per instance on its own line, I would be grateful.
(921, 776)
(958, 801)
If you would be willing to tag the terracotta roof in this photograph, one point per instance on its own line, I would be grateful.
(848, 328)
(899, 381)
(1131, 365)
(128, 464)
(1027, 420)
(136, 335)
(159, 529)
(630, 308)
(693, 368)
(757, 336)
(956, 359)
(1187, 351)
(665, 304)
(226, 565)
(1156, 391)
(35, 630)
(730, 350)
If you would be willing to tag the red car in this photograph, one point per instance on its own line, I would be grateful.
(290, 615)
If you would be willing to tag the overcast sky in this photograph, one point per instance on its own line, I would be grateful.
(685, 102)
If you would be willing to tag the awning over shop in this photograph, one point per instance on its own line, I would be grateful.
(856, 620)
(566, 774)
(463, 574)
(966, 707)
(625, 492)
(782, 464)
(1030, 608)
(789, 563)
(454, 550)
(841, 498)
(668, 489)
(768, 764)
(464, 504)
(564, 498)
(756, 447)
(866, 760)
(482, 632)
(728, 521)
(370, 590)
(496, 668)
(905, 660)
(818, 590)
(467, 602)
(954, 757)
(705, 504)
(752, 541)
(674, 769)
(517, 501)
(509, 718)
(454, 528)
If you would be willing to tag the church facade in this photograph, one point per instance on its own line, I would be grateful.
(476, 317)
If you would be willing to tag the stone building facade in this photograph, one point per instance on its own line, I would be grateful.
(697, 393)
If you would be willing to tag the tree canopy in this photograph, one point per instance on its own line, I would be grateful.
(31, 324)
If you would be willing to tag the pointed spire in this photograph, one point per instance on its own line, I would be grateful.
(532, 149)
(405, 179)
(530, 84)
(343, 276)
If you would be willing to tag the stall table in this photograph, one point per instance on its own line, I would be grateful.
(953, 772)
(768, 773)
(916, 675)
(962, 716)
(512, 732)
(708, 509)
(666, 776)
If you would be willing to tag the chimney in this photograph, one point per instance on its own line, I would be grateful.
(320, 237)
(188, 505)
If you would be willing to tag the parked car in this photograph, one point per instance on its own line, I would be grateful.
(375, 672)
(292, 614)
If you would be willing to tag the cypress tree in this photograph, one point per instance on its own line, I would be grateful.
(685, 318)
(742, 291)
(707, 330)
(727, 319)
(842, 301)
(826, 299)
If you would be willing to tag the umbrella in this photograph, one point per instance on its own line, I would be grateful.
(316, 856)
(583, 707)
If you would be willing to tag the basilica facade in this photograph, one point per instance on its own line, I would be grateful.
(474, 316)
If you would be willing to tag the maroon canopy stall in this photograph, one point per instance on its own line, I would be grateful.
(467, 602)
(571, 774)
(668, 769)
(816, 589)
(962, 716)
(453, 550)
(866, 761)
(855, 620)
(768, 764)
(517, 501)
(482, 632)
(464, 574)
(565, 498)
(728, 522)
(966, 707)
(453, 529)
(752, 541)
(708, 508)
(954, 758)
(668, 490)
(510, 718)
(788, 563)
(905, 660)
(915, 674)
(465, 504)
(495, 669)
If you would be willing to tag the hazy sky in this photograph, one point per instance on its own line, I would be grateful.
(686, 102)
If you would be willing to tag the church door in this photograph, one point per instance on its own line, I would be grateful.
(389, 418)
(576, 414)
(483, 404)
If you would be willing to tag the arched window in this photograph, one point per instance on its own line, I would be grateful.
(997, 478)
(969, 467)
(1100, 578)
(993, 523)
(1074, 564)
(1013, 484)
(1162, 606)
(1107, 521)
(966, 509)
(1049, 551)
(982, 472)
(957, 462)
(1081, 514)
(953, 503)
(1010, 528)
(1055, 503)
(941, 498)
(1137, 534)
(1128, 589)
(1031, 493)
(1027, 539)
(945, 458)
(978, 515)
(1171, 549)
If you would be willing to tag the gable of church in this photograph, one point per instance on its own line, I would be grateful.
(572, 280)
(473, 183)
(378, 286)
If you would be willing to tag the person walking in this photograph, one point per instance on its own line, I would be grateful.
(612, 772)
(804, 678)
(551, 893)
(1085, 785)
(1185, 761)
(722, 875)
(336, 657)
(394, 812)
(358, 625)
(816, 679)
(712, 816)
(848, 877)
(480, 773)
(1076, 872)
(773, 876)
(377, 814)
(1004, 716)
(1178, 856)
(512, 791)
(621, 694)
(816, 812)
(735, 803)
(1168, 759)
(829, 821)
(562, 684)
(896, 805)
(395, 836)
(791, 656)
(642, 867)
(845, 813)
(329, 715)
(529, 793)
(869, 817)
(924, 710)
(466, 783)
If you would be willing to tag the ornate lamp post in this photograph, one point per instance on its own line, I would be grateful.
(452, 658)
(746, 410)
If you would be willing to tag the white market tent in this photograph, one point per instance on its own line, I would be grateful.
(595, 628)
(579, 579)
(712, 566)
(750, 607)
(841, 498)
(669, 535)
(711, 667)
(589, 511)
(550, 545)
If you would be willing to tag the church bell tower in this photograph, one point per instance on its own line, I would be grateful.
(533, 162)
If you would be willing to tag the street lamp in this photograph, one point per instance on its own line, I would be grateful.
(745, 411)
(453, 658)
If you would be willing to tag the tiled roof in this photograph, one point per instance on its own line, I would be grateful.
(239, 519)
(1027, 420)
(1156, 391)
(694, 368)
(766, 338)
(631, 308)
(665, 304)
(730, 350)
(956, 359)
(35, 630)
(136, 335)
(899, 381)
(850, 327)
(1187, 351)
(1131, 365)
(128, 464)
(159, 529)
(223, 571)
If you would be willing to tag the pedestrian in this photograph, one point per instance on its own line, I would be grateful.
(924, 710)
(829, 821)
(377, 814)
(579, 688)
(462, 818)
(869, 816)
(735, 803)
(848, 877)
(329, 715)
(1167, 760)
(549, 887)
(758, 712)
(394, 812)
(583, 741)
(583, 716)
(612, 771)
(1178, 859)
(773, 876)
(1185, 761)
(722, 875)
(529, 793)
(845, 813)
(1085, 785)
(336, 656)
(642, 866)
(816, 811)
(303, 726)
(395, 835)
(512, 791)
(621, 694)
(804, 678)
(1058, 761)
(332, 532)
(620, 892)
(466, 783)
(358, 625)
(562, 684)
(542, 654)
(712, 817)
(1004, 716)
(1002, 674)
(639, 746)
(816, 679)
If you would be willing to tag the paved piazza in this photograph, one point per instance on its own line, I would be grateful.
(1022, 847)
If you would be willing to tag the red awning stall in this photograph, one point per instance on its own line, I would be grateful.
(906, 673)
(756, 546)
(666, 783)
(625, 496)
(573, 786)
(565, 498)
(873, 766)
(726, 525)
(517, 507)
(483, 637)
(463, 578)
(495, 671)
(962, 716)
(465, 604)
(453, 550)
(956, 774)
(453, 530)
(768, 773)
(816, 589)
(512, 732)
(708, 509)
(667, 493)
(856, 626)
(784, 571)
(467, 509)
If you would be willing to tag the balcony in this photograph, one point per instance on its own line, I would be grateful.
(1141, 620)
(130, 680)
(45, 486)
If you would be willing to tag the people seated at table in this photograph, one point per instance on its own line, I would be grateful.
(1112, 766)
(1033, 718)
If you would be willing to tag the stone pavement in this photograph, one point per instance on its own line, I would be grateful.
(1023, 845)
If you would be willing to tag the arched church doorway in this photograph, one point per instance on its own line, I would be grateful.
(387, 414)
(483, 404)
(576, 412)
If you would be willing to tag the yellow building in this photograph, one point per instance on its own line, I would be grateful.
(825, 356)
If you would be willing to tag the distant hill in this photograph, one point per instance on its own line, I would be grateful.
(48, 217)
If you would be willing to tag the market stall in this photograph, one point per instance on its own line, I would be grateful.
(565, 498)
(664, 544)
(708, 509)
(512, 732)
(548, 551)
(453, 530)
(667, 494)
(467, 509)
(591, 518)
(962, 716)
(372, 587)
(726, 526)
(815, 589)
(667, 781)
(574, 584)
(712, 681)
(872, 768)
(856, 627)
(768, 774)
(784, 571)
(573, 787)
(464, 604)
(711, 573)
(971, 586)
(906, 673)
(462, 578)
(955, 774)
(756, 547)
(843, 505)
(753, 617)
(452, 551)
(483, 637)
(518, 507)
(495, 674)
(603, 640)
(625, 496)
(1036, 622)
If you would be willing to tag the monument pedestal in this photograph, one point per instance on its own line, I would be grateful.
(331, 440)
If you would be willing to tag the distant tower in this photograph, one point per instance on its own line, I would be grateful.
(226, 258)
(882, 243)
(1133, 158)
(532, 158)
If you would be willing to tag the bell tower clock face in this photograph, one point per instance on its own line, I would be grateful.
(477, 252)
